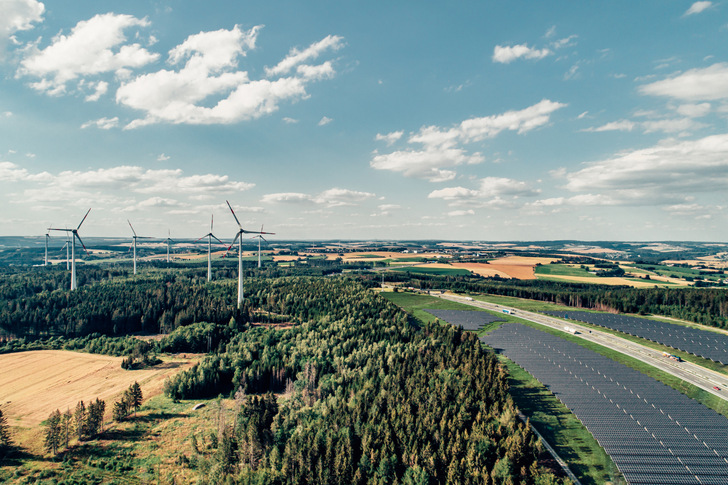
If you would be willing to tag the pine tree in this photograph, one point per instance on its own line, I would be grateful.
(95, 417)
(66, 424)
(53, 432)
(79, 421)
(4, 432)
(136, 396)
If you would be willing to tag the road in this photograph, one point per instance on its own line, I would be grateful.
(694, 374)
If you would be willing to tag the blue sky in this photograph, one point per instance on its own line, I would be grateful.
(383, 120)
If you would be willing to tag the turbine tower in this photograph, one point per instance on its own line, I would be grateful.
(65, 246)
(133, 242)
(239, 238)
(259, 237)
(74, 236)
(169, 241)
(47, 236)
(209, 237)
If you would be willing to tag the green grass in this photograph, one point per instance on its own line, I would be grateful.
(560, 428)
(436, 271)
(562, 270)
(415, 304)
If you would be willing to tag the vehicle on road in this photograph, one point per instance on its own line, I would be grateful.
(716, 388)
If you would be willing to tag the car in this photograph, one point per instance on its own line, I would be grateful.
(716, 388)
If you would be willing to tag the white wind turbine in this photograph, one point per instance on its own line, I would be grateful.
(209, 237)
(74, 236)
(65, 246)
(239, 238)
(259, 237)
(169, 241)
(133, 242)
(47, 236)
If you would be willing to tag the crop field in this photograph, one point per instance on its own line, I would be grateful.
(436, 269)
(34, 384)
(482, 269)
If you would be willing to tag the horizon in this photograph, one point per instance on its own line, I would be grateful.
(484, 122)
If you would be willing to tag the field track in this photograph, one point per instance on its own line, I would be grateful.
(34, 384)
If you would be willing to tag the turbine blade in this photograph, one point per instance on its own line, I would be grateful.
(212, 217)
(81, 241)
(217, 239)
(200, 238)
(132, 228)
(236, 217)
(54, 229)
(84, 218)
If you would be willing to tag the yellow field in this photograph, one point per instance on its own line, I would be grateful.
(34, 384)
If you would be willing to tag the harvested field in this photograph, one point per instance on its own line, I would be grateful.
(34, 384)
(483, 269)
(606, 281)
(380, 255)
(285, 258)
(519, 267)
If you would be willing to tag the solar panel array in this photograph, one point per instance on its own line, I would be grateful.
(468, 319)
(654, 434)
(703, 343)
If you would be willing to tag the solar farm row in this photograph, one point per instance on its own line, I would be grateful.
(703, 343)
(468, 319)
(654, 434)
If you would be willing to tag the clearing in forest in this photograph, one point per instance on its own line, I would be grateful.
(34, 384)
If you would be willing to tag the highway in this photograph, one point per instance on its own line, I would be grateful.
(694, 374)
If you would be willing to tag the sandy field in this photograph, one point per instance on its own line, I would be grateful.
(286, 258)
(519, 267)
(606, 281)
(34, 384)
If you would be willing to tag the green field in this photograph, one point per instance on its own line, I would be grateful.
(435, 271)
(562, 270)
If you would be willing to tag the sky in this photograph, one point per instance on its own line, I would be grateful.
(466, 120)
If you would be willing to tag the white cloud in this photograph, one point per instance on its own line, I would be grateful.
(694, 110)
(441, 147)
(390, 138)
(492, 192)
(707, 84)
(460, 213)
(102, 123)
(209, 89)
(698, 7)
(289, 121)
(621, 125)
(100, 89)
(668, 171)
(325, 121)
(162, 157)
(680, 125)
(18, 15)
(507, 54)
(93, 47)
(295, 57)
(334, 197)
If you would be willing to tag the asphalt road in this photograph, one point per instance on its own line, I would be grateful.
(692, 373)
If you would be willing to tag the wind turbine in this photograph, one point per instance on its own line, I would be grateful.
(239, 238)
(169, 241)
(65, 246)
(133, 242)
(209, 237)
(259, 237)
(47, 236)
(74, 236)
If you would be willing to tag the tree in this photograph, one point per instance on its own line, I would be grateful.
(95, 417)
(136, 396)
(53, 432)
(5, 441)
(66, 423)
(79, 421)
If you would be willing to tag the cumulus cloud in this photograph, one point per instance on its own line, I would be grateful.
(669, 171)
(698, 7)
(492, 191)
(324, 121)
(694, 110)
(507, 54)
(440, 149)
(706, 84)
(390, 138)
(16, 16)
(209, 88)
(675, 125)
(93, 47)
(621, 125)
(334, 197)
